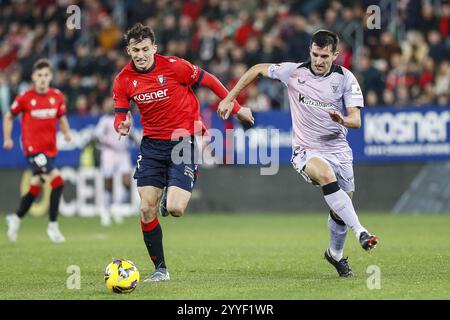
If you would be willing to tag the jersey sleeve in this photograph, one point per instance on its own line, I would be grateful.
(353, 96)
(18, 105)
(119, 95)
(282, 71)
(62, 108)
(186, 72)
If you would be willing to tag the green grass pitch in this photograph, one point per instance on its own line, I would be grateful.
(232, 256)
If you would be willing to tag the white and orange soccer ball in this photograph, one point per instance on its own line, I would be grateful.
(121, 276)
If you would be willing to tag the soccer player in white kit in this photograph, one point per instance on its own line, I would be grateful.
(114, 160)
(325, 100)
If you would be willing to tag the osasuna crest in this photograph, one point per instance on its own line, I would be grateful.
(334, 87)
(161, 79)
(52, 100)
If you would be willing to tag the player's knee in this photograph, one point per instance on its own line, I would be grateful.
(326, 177)
(35, 189)
(176, 210)
(57, 182)
(148, 212)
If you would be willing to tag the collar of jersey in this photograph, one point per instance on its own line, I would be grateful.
(145, 71)
(41, 94)
(308, 65)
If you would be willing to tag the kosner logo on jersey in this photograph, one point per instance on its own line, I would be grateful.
(406, 133)
(44, 113)
(148, 97)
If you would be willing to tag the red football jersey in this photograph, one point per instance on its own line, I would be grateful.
(163, 95)
(40, 113)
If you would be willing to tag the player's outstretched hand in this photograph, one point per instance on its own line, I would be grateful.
(8, 144)
(124, 126)
(224, 109)
(337, 117)
(245, 116)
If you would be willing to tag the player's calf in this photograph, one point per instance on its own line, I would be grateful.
(57, 185)
(28, 199)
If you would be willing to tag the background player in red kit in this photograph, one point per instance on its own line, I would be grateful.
(161, 87)
(42, 107)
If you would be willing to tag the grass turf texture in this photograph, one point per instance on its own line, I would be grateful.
(233, 256)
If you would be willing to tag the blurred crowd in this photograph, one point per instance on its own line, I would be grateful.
(403, 63)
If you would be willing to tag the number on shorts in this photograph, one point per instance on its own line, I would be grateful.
(139, 158)
(40, 160)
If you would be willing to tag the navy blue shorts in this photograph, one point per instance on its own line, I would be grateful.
(165, 163)
(41, 163)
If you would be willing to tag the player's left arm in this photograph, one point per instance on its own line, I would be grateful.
(353, 98)
(193, 76)
(61, 114)
(122, 114)
(65, 128)
(352, 120)
(211, 82)
(8, 119)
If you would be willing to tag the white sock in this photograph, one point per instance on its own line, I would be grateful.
(338, 233)
(336, 255)
(16, 218)
(340, 202)
(53, 224)
(107, 199)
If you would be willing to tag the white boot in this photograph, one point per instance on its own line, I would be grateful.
(13, 222)
(54, 234)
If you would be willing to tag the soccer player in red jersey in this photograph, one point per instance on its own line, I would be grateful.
(42, 107)
(161, 87)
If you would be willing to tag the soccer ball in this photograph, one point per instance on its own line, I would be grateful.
(121, 276)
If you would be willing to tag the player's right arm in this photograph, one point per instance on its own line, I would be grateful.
(226, 105)
(8, 143)
(8, 119)
(122, 116)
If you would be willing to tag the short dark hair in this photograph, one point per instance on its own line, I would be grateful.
(324, 38)
(41, 64)
(139, 32)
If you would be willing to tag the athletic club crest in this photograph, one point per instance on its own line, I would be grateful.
(161, 79)
(334, 87)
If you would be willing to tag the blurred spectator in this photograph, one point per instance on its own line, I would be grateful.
(297, 40)
(414, 49)
(371, 98)
(444, 21)
(428, 21)
(387, 47)
(245, 29)
(370, 78)
(437, 49)
(82, 105)
(442, 86)
(109, 34)
(256, 100)
(5, 94)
